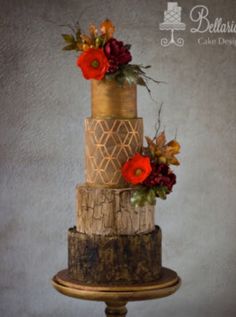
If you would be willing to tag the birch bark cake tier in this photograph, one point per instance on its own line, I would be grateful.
(108, 211)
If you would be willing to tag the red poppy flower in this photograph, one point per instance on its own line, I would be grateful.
(93, 63)
(136, 169)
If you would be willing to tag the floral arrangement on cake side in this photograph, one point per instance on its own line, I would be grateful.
(105, 57)
(150, 170)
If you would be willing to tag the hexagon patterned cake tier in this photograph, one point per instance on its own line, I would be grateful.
(109, 143)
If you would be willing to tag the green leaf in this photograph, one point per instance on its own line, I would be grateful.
(130, 75)
(77, 35)
(137, 198)
(142, 196)
(109, 77)
(141, 81)
(69, 38)
(99, 41)
(162, 191)
(70, 47)
(127, 46)
(151, 197)
(145, 67)
(120, 79)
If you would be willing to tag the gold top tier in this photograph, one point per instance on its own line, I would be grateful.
(111, 100)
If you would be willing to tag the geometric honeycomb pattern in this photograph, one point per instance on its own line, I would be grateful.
(109, 143)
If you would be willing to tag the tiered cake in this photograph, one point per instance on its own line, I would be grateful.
(113, 242)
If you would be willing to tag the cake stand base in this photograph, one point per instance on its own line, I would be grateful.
(116, 297)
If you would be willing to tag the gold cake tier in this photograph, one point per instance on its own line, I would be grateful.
(111, 100)
(108, 211)
(116, 259)
(109, 143)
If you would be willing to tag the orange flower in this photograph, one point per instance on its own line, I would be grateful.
(136, 169)
(107, 29)
(93, 63)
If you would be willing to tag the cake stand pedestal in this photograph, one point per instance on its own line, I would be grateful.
(116, 297)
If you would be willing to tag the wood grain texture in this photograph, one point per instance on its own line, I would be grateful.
(129, 259)
(108, 211)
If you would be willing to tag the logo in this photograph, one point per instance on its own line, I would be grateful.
(199, 15)
(172, 22)
(212, 31)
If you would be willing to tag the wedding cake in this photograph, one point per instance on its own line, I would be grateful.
(113, 242)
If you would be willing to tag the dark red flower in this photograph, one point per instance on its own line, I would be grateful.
(161, 175)
(117, 54)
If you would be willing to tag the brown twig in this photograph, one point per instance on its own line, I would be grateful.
(158, 123)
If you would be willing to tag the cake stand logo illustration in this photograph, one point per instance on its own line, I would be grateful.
(172, 22)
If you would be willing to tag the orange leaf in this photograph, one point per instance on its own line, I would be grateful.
(93, 30)
(173, 160)
(149, 140)
(151, 145)
(161, 139)
(165, 153)
(174, 145)
(86, 39)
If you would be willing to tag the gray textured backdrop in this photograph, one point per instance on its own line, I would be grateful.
(44, 100)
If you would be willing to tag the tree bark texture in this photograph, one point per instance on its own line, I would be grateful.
(108, 211)
(114, 260)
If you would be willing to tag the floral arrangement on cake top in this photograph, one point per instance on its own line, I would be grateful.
(150, 170)
(105, 57)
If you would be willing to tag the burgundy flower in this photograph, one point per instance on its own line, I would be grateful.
(161, 175)
(117, 54)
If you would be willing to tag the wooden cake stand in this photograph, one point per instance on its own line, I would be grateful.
(116, 297)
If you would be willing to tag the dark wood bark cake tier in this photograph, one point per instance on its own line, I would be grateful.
(109, 143)
(108, 211)
(114, 260)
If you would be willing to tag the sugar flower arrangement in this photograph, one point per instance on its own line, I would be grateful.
(150, 170)
(105, 57)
